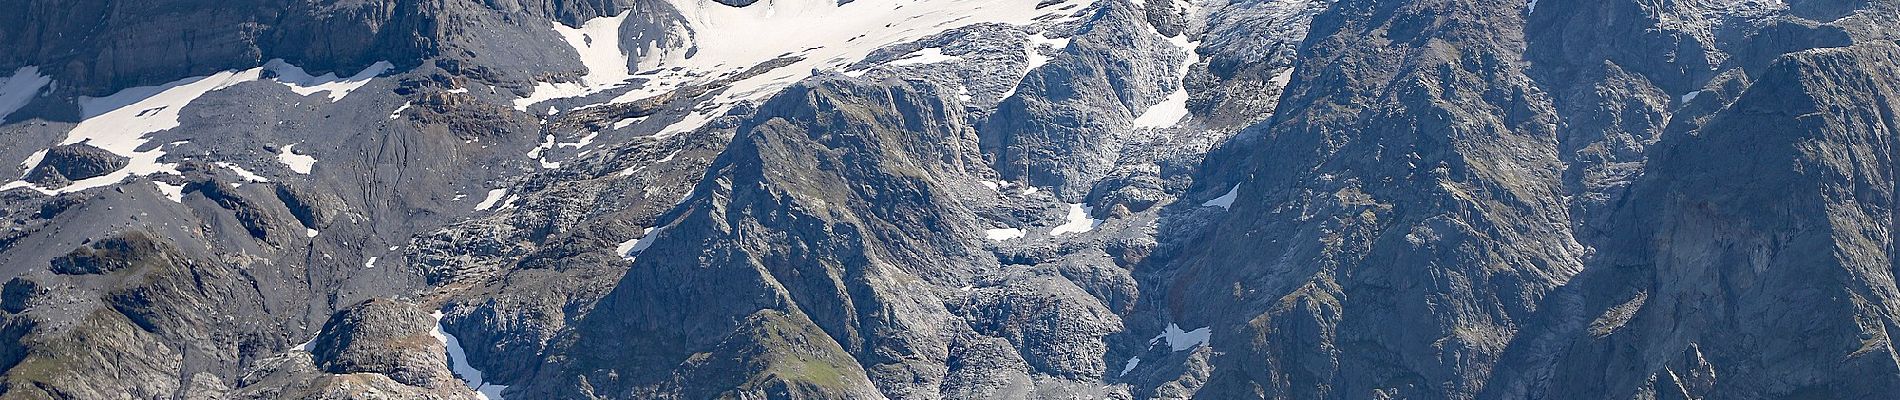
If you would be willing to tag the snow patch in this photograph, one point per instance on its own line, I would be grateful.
(20, 88)
(547, 143)
(626, 122)
(1079, 221)
(303, 83)
(930, 55)
(1166, 113)
(1281, 79)
(1130, 365)
(1002, 234)
(309, 233)
(399, 110)
(370, 263)
(458, 362)
(1225, 200)
(634, 246)
(493, 196)
(1182, 340)
(243, 173)
(1687, 97)
(176, 193)
(585, 140)
(298, 163)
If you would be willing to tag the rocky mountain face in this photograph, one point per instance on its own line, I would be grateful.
(948, 199)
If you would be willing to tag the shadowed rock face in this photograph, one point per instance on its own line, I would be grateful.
(1361, 199)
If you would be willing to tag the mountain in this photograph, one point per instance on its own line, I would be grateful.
(948, 199)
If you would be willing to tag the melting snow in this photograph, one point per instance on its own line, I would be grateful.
(120, 122)
(1130, 366)
(1225, 200)
(302, 83)
(634, 246)
(926, 56)
(1179, 340)
(1079, 221)
(1687, 97)
(298, 163)
(241, 172)
(585, 140)
(19, 89)
(624, 123)
(1002, 234)
(399, 110)
(493, 196)
(547, 143)
(458, 362)
(174, 192)
(823, 34)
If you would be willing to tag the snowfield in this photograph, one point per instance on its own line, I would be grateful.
(723, 40)
(120, 123)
